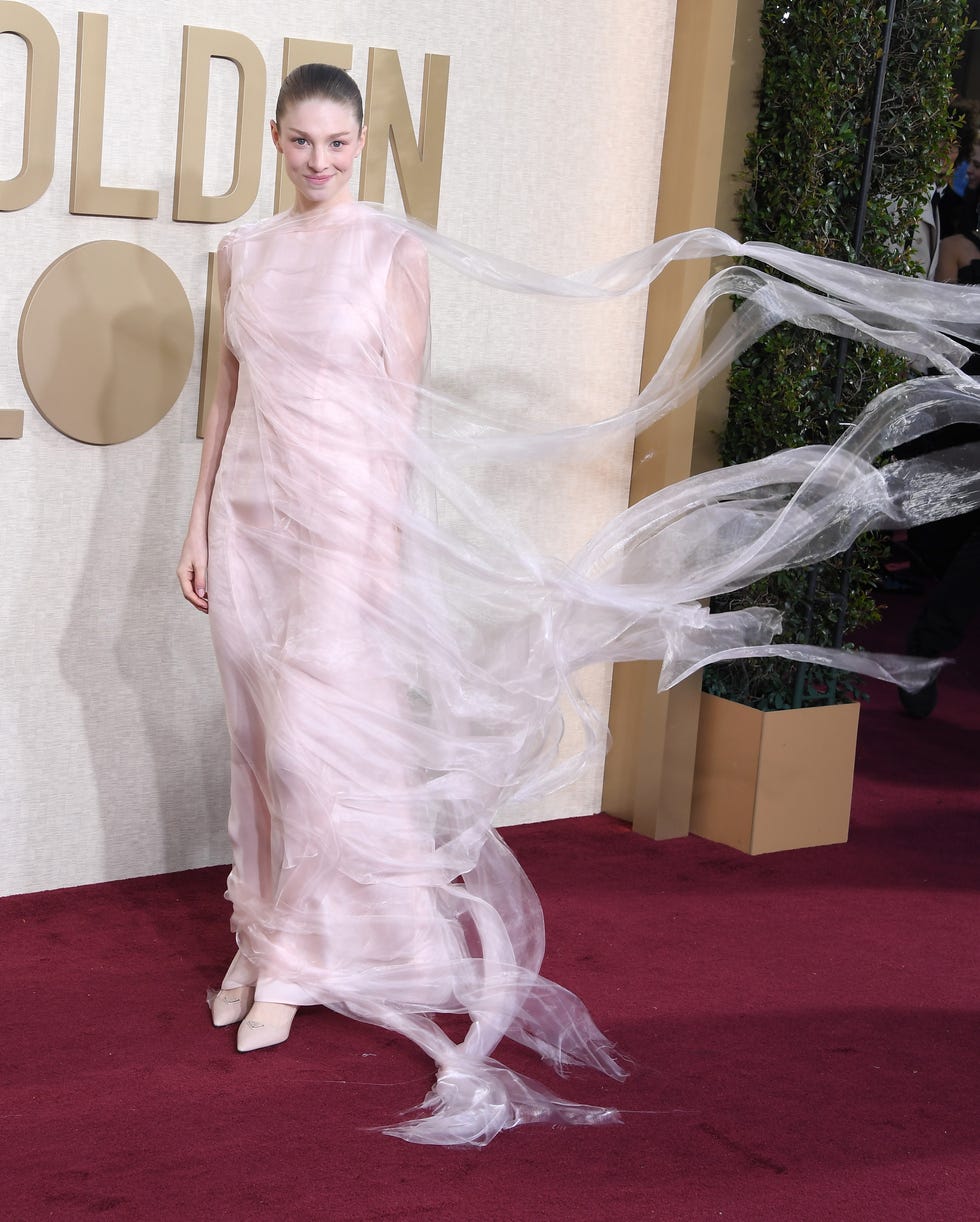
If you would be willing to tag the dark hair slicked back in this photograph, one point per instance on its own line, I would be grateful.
(320, 81)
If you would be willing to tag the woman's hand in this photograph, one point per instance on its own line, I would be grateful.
(192, 570)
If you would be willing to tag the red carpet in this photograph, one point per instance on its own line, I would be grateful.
(805, 1029)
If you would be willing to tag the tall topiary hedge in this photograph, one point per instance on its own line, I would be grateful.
(802, 182)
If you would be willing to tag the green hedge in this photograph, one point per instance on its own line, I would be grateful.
(802, 180)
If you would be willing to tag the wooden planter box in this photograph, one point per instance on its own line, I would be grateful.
(770, 781)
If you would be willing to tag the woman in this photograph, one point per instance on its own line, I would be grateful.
(352, 814)
(959, 247)
(397, 660)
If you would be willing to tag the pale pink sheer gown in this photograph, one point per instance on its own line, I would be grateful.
(365, 876)
(397, 658)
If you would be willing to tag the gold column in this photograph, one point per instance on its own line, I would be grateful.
(714, 74)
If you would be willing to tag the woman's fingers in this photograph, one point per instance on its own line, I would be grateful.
(193, 578)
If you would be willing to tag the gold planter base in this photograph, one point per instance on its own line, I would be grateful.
(764, 782)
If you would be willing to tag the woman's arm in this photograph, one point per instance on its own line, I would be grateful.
(955, 253)
(407, 322)
(192, 569)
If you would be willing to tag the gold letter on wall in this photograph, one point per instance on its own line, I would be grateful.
(190, 202)
(105, 343)
(419, 163)
(211, 345)
(40, 105)
(88, 197)
(296, 51)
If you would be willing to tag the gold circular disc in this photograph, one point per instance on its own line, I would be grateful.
(106, 341)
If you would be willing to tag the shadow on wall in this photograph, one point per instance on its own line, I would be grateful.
(140, 663)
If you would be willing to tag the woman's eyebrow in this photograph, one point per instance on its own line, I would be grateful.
(296, 131)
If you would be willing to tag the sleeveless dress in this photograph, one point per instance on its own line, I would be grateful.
(395, 656)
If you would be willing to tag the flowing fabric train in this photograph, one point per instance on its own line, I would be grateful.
(397, 658)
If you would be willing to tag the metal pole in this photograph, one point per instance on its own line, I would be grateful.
(870, 149)
(843, 345)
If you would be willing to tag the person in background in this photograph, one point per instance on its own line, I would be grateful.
(950, 547)
(951, 213)
(956, 211)
(941, 626)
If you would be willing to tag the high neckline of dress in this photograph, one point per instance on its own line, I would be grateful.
(325, 216)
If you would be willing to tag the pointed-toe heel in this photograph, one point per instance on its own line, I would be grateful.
(266, 1024)
(231, 1005)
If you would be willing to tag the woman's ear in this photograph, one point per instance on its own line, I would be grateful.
(274, 129)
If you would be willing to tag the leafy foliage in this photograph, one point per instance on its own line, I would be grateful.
(801, 188)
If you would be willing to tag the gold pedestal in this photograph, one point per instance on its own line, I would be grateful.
(764, 782)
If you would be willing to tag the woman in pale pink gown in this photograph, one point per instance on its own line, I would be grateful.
(398, 660)
(361, 879)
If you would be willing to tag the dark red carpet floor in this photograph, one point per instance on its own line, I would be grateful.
(804, 1027)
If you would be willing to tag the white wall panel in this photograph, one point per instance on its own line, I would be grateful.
(110, 713)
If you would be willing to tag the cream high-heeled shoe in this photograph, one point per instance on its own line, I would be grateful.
(267, 1023)
(231, 1005)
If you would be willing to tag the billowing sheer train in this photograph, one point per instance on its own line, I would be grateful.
(394, 653)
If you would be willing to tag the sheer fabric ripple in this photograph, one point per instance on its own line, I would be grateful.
(395, 654)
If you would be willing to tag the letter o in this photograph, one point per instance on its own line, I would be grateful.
(106, 341)
(40, 105)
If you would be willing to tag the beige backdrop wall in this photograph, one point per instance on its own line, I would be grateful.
(111, 723)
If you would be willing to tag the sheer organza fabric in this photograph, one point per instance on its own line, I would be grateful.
(397, 657)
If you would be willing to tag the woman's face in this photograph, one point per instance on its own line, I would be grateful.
(319, 141)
